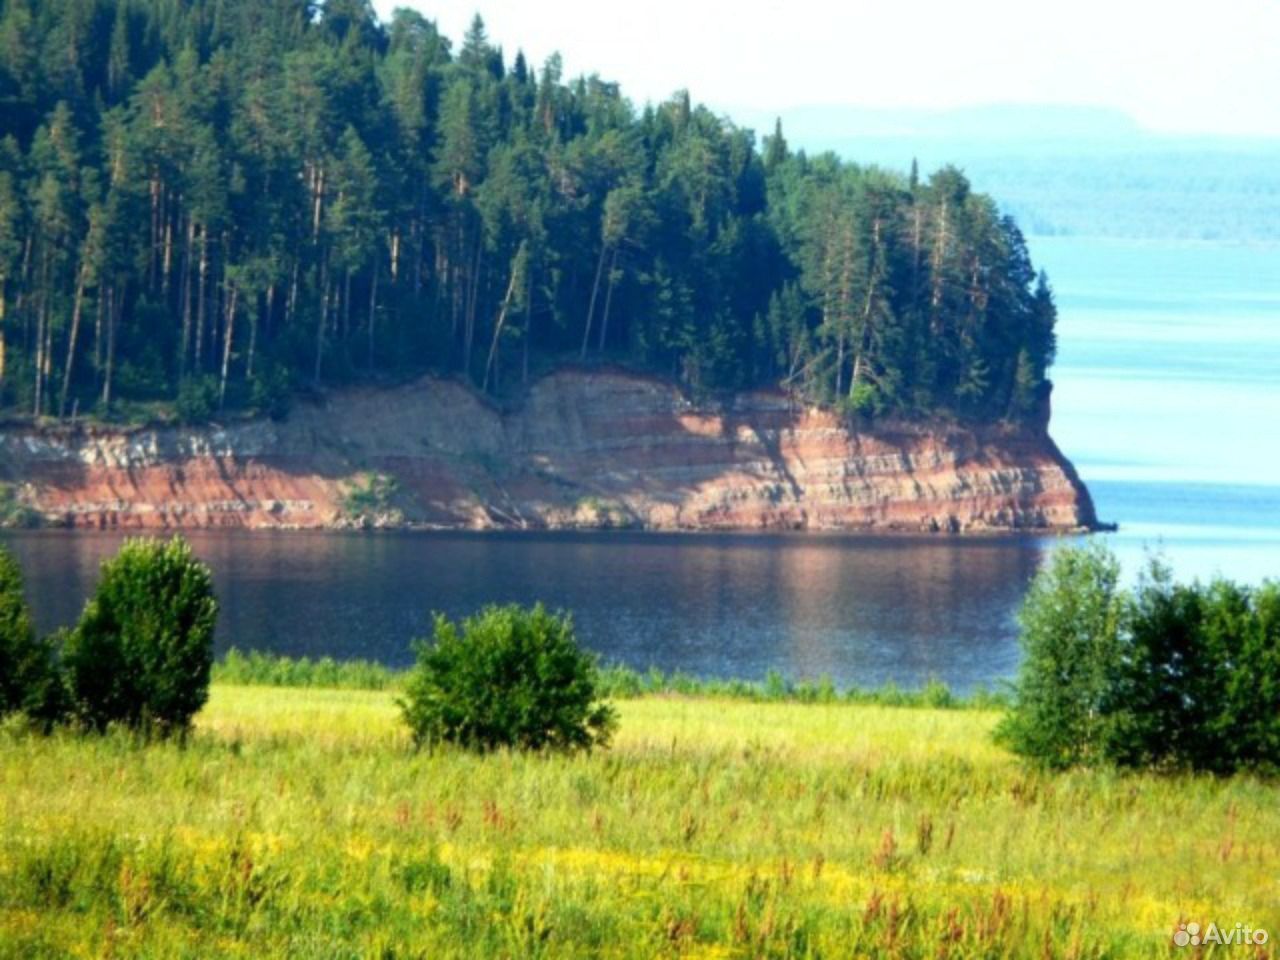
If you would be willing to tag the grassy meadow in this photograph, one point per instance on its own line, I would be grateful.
(298, 823)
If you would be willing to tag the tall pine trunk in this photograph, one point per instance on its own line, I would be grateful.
(595, 290)
(864, 339)
(292, 303)
(346, 306)
(200, 296)
(473, 295)
(497, 330)
(42, 318)
(324, 318)
(528, 326)
(254, 314)
(227, 338)
(185, 296)
(608, 300)
(114, 296)
(168, 251)
(97, 337)
(72, 339)
(373, 310)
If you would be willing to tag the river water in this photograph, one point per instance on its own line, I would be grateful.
(1167, 400)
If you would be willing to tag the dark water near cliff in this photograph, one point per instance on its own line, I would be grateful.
(861, 611)
(1168, 401)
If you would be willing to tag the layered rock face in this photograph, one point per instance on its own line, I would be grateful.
(586, 449)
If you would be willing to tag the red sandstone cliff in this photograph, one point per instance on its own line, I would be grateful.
(586, 449)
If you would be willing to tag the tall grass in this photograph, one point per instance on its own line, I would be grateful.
(271, 670)
(617, 682)
(299, 823)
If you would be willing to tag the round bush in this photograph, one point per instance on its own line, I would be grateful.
(30, 681)
(509, 678)
(142, 652)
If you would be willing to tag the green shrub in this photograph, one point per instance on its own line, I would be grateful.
(1199, 685)
(1071, 620)
(142, 652)
(30, 678)
(862, 401)
(272, 393)
(1171, 676)
(197, 400)
(1253, 692)
(14, 513)
(371, 497)
(509, 678)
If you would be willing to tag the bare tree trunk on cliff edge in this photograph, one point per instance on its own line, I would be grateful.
(113, 316)
(42, 316)
(97, 338)
(864, 339)
(254, 313)
(72, 339)
(226, 344)
(595, 291)
(324, 318)
(200, 296)
(608, 298)
(497, 329)
(184, 294)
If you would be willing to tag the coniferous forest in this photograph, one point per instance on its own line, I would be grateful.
(213, 204)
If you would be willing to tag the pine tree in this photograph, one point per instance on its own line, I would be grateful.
(246, 190)
(775, 148)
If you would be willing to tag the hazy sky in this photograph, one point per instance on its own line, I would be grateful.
(1208, 66)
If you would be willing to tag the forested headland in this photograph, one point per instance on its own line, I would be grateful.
(208, 205)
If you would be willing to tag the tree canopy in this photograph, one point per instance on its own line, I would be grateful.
(242, 197)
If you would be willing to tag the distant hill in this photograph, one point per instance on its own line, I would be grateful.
(830, 125)
(1066, 170)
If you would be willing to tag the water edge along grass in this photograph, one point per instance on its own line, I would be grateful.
(298, 823)
(258, 668)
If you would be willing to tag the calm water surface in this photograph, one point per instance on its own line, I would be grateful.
(1168, 401)
(1168, 396)
(861, 611)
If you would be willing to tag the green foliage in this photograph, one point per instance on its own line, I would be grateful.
(1071, 622)
(1167, 676)
(196, 188)
(142, 651)
(1200, 685)
(13, 512)
(619, 682)
(272, 393)
(197, 400)
(30, 680)
(272, 670)
(371, 497)
(509, 677)
(863, 401)
(616, 682)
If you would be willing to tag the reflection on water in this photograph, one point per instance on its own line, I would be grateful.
(862, 611)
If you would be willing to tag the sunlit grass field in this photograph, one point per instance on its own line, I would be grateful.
(299, 823)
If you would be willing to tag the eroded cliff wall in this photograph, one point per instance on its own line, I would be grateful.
(586, 449)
